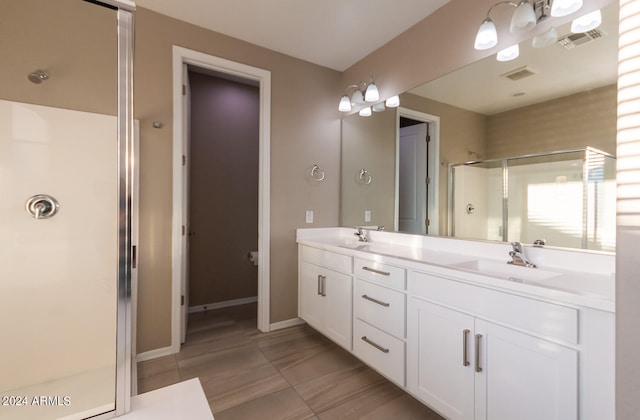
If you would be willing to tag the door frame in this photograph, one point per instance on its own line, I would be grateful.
(183, 56)
(433, 165)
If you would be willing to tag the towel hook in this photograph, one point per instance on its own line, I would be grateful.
(364, 177)
(316, 173)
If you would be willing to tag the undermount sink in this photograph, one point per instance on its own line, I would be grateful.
(507, 271)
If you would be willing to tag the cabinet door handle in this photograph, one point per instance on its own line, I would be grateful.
(465, 347)
(320, 284)
(324, 285)
(376, 345)
(373, 270)
(478, 338)
(379, 302)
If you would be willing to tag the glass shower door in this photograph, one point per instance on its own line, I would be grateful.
(59, 209)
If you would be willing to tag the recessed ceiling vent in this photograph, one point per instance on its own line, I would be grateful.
(570, 41)
(519, 73)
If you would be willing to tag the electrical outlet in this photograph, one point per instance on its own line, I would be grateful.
(367, 215)
(309, 216)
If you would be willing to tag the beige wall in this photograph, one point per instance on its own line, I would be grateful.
(305, 129)
(37, 34)
(584, 119)
(369, 143)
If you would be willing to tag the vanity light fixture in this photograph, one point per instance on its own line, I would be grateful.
(527, 14)
(363, 92)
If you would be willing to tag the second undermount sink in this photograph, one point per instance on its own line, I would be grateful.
(507, 271)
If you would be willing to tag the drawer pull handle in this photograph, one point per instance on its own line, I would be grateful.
(373, 270)
(378, 346)
(322, 285)
(478, 338)
(465, 346)
(379, 302)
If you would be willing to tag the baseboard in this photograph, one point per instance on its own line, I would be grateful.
(286, 324)
(225, 304)
(153, 354)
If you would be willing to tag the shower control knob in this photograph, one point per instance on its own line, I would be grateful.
(42, 206)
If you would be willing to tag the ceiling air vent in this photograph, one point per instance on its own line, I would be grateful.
(519, 73)
(574, 40)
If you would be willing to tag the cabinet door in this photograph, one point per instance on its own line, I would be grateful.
(311, 301)
(337, 310)
(524, 377)
(439, 366)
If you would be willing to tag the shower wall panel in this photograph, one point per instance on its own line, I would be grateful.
(58, 288)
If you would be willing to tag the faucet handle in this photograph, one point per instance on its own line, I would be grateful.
(539, 243)
(517, 246)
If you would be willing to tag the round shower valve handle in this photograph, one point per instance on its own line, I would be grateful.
(42, 206)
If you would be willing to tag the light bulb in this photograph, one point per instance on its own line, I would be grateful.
(509, 53)
(587, 22)
(345, 104)
(565, 7)
(379, 107)
(357, 98)
(487, 36)
(372, 94)
(393, 102)
(524, 18)
(545, 39)
(365, 112)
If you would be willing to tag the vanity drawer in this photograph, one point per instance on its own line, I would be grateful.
(327, 259)
(379, 306)
(540, 318)
(381, 351)
(387, 275)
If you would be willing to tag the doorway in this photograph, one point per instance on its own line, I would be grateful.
(417, 172)
(222, 192)
(183, 59)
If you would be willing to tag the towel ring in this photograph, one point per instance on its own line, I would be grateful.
(316, 173)
(364, 177)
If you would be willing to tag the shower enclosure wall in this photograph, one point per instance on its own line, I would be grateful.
(566, 198)
(66, 156)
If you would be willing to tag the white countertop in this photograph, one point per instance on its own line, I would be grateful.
(564, 276)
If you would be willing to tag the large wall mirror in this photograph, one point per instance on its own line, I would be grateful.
(510, 150)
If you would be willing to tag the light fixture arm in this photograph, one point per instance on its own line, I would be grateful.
(510, 3)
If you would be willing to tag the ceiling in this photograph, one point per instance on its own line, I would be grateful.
(331, 33)
(559, 72)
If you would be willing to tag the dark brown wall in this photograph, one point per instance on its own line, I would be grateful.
(223, 196)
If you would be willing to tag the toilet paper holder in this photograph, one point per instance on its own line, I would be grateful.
(253, 257)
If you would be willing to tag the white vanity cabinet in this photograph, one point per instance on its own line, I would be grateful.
(467, 363)
(324, 293)
(379, 312)
(449, 327)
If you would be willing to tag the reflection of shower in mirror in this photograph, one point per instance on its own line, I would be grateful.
(38, 76)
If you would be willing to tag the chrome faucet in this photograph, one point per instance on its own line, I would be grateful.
(361, 234)
(518, 257)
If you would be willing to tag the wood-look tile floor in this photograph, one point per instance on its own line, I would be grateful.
(294, 373)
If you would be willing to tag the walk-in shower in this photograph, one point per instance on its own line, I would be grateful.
(565, 198)
(65, 220)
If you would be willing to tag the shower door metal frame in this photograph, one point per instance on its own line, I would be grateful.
(125, 144)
